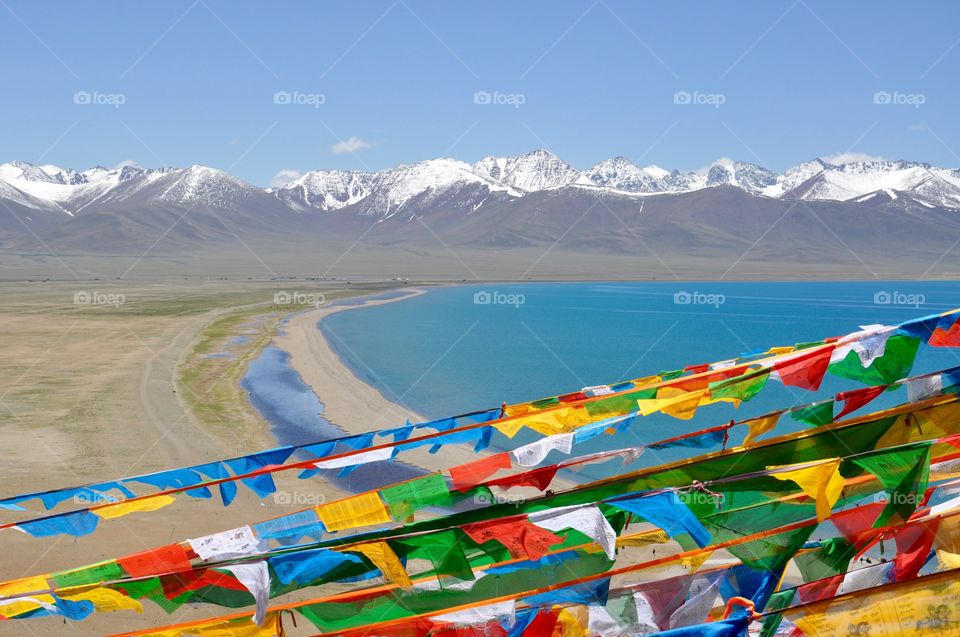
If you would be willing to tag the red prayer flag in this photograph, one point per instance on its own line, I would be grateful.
(913, 547)
(176, 585)
(856, 524)
(542, 625)
(539, 478)
(521, 537)
(805, 371)
(471, 474)
(820, 589)
(857, 398)
(156, 561)
(946, 338)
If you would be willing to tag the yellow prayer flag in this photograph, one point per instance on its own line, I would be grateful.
(778, 351)
(693, 562)
(105, 600)
(386, 560)
(568, 624)
(759, 426)
(655, 536)
(948, 560)
(25, 587)
(233, 628)
(364, 509)
(822, 482)
(123, 508)
(927, 606)
(673, 402)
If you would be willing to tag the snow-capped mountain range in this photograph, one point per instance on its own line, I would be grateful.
(457, 185)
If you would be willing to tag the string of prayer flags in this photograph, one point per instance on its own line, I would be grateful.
(822, 482)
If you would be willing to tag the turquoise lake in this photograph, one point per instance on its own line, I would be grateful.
(457, 349)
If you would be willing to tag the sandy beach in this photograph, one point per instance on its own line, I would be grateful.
(350, 402)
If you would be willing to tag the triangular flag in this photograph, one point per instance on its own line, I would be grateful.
(822, 482)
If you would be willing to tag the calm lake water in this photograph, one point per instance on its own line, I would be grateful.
(462, 348)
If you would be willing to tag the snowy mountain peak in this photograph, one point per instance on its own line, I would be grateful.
(537, 170)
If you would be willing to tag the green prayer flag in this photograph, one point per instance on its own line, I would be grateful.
(670, 375)
(444, 550)
(832, 558)
(904, 473)
(773, 552)
(897, 361)
(406, 498)
(95, 574)
(740, 387)
(818, 414)
(778, 601)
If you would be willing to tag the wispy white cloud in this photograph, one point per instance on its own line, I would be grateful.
(847, 157)
(125, 163)
(917, 128)
(350, 145)
(284, 176)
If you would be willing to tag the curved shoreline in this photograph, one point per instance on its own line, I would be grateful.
(348, 401)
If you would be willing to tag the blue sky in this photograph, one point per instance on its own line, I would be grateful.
(374, 84)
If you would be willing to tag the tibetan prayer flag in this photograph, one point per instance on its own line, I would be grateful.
(949, 337)
(310, 565)
(444, 550)
(104, 600)
(255, 578)
(469, 475)
(739, 389)
(521, 537)
(93, 574)
(904, 473)
(857, 398)
(668, 512)
(365, 509)
(382, 556)
(709, 438)
(817, 414)
(536, 452)
(822, 482)
(896, 363)
(236, 542)
(406, 498)
(587, 520)
(914, 542)
(77, 524)
(538, 478)
(804, 370)
(153, 503)
(166, 559)
(831, 558)
(758, 427)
